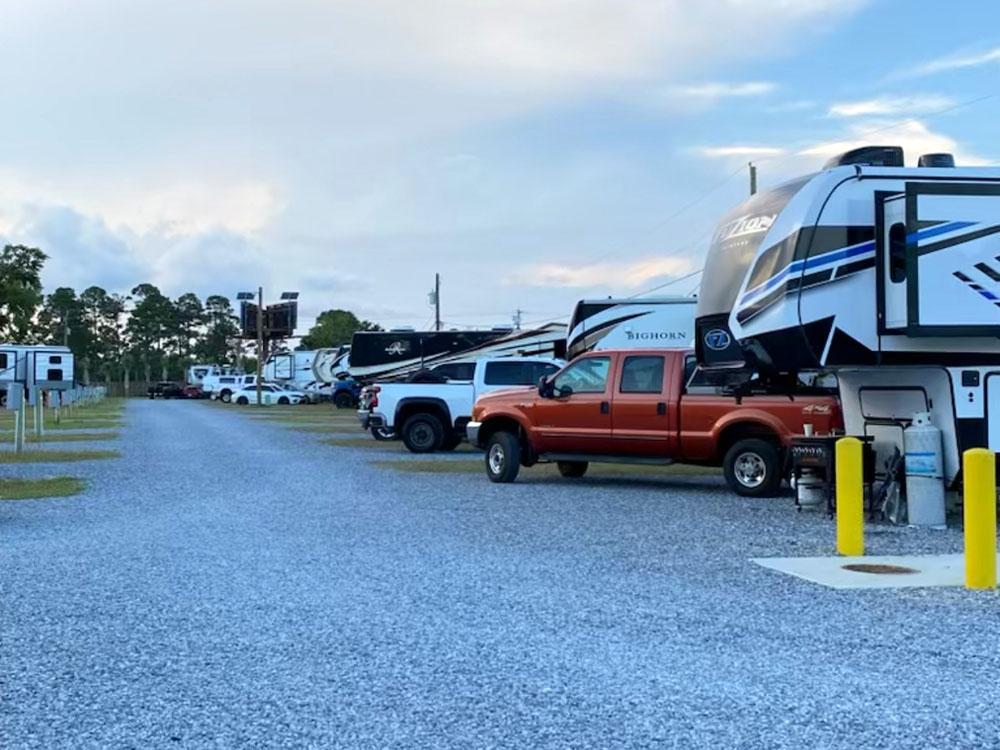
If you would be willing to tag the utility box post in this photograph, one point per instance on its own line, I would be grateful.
(850, 498)
(980, 518)
(15, 403)
(260, 341)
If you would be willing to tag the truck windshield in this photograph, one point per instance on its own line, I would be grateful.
(735, 245)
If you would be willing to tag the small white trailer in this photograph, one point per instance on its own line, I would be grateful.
(40, 366)
(889, 275)
(295, 368)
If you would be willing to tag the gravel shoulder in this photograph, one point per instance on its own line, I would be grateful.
(229, 583)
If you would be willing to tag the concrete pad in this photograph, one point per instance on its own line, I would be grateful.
(931, 570)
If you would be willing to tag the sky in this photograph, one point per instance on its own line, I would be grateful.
(533, 152)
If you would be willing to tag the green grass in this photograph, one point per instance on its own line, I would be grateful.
(27, 489)
(475, 466)
(71, 437)
(54, 457)
(363, 441)
(319, 428)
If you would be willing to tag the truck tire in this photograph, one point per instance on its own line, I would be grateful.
(344, 400)
(242, 401)
(503, 457)
(572, 469)
(423, 433)
(382, 434)
(451, 442)
(226, 396)
(283, 400)
(752, 468)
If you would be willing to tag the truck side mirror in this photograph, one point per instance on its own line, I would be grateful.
(544, 387)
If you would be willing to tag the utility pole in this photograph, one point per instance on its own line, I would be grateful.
(517, 319)
(753, 178)
(260, 341)
(437, 302)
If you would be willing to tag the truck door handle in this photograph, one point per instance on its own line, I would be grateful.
(661, 408)
(605, 407)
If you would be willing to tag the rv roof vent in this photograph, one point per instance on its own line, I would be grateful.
(936, 160)
(872, 156)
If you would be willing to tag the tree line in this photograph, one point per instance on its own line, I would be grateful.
(140, 335)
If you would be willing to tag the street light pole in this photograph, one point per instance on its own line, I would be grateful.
(260, 341)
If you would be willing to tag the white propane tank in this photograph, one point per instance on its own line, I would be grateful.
(924, 473)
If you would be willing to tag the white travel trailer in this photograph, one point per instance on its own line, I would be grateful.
(295, 367)
(332, 364)
(631, 323)
(36, 366)
(889, 275)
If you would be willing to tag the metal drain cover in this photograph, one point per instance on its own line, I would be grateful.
(878, 569)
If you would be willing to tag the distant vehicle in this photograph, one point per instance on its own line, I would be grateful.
(432, 416)
(270, 395)
(631, 323)
(221, 382)
(166, 389)
(193, 392)
(641, 406)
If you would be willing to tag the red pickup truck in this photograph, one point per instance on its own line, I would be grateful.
(643, 406)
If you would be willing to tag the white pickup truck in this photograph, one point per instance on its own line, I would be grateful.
(432, 416)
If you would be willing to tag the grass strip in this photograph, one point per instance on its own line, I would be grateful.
(54, 457)
(28, 489)
(475, 466)
(72, 437)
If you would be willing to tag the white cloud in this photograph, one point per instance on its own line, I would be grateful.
(744, 152)
(620, 275)
(955, 61)
(714, 91)
(914, 136)
(891, 105)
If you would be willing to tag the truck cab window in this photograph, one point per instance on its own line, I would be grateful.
(588, 375)
(897, 253)
(642, 375)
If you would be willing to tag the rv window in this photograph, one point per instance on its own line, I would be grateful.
(3, 362)
(897, 253)
(54, 375)
(55, 360)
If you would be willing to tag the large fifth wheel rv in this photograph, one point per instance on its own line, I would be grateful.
(887, 274)
(631, 323)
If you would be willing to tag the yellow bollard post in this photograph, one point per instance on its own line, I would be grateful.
(980, 516)
(850, 498)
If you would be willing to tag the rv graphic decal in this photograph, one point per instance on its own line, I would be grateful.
(656, 336)
(743, 226)
(397, 348)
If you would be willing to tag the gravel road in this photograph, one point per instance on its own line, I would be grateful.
(229, 583)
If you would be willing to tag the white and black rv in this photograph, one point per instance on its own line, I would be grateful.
(396, 354)
(631, 323)
(888, 274)
(294, 367)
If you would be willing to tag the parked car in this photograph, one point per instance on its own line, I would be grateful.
(271, 394)
(432, 416)
(193, 391)
(165, 389)
(639, 406)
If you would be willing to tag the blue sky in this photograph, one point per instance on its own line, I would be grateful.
(532, 152)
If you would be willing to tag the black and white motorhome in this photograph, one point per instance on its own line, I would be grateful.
(631, 323)
(888, 274)
(36, 366)
(386, 355)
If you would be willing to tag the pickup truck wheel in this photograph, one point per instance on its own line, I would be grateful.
(503, 457)
(572, 469)
(382, 433)
(752, 468)
(344, 400)
(423, 433)
(451, 442)
(242, 401)
(226, 397)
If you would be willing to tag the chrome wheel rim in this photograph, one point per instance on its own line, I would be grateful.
(496, 459)
(750, 470)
